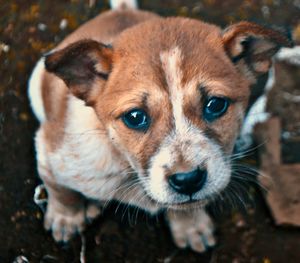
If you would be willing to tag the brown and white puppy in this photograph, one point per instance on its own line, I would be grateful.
(145, 110)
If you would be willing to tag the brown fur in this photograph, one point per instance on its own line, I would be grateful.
(102, 28)
(54, 94)
(169, 67)
(136, 54)
(141, 47)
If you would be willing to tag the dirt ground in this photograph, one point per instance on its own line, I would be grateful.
(245, 230)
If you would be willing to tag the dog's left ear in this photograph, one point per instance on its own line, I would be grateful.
(84, 66)
(251, 47)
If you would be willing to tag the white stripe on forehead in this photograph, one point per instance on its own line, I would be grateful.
(171, 61)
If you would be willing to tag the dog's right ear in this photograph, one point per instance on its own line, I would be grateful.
(251, 47)
(84, 66)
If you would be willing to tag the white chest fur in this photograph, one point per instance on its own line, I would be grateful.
(84, 161)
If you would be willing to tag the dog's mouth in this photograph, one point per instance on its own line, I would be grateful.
(178, 205)
(173, 200)
(174, 203)
(190, 204)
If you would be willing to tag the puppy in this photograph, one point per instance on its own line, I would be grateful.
(144, 110)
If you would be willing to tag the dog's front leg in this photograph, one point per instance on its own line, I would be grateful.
(192, 228)
(66, 213)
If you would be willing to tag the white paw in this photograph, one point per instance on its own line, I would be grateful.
(64, 223)
(192, 229)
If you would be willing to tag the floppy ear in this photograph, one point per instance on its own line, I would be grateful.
(251, 47)
(84, 66)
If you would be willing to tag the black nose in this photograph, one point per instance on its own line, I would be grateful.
(188, 183)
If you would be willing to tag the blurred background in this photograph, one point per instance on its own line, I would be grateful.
(246, 230)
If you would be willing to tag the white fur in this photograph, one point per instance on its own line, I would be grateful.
(290, 55)
(199, 151)
(193, 228)
(257, 114)
(84, 161)
(116, 4)
(171, 65)
(34, 90)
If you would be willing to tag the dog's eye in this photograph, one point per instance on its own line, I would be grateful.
(214, 108)
(136, 119)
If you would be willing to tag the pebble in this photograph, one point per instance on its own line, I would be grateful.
(42, 26)
(240, 223)
(4, 47)
(63, 24)
(197, 9)
(24, 116)
(97, 240)
(266, 11)
(21, 259)
(266, 260)
(183, 11)
(286, 135)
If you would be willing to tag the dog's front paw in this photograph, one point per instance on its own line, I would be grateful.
(63, 221)
(192, 228)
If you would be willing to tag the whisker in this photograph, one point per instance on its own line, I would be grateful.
(240, 155)
(128, 191)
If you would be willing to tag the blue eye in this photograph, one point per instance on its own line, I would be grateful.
(136, 119)
(214, 108)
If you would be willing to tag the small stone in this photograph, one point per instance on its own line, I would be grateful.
(183, 11)
(266, 11)
(240, 223)
(24, 116)
(38, 215)
(4, 47)
(42, 26)
(286, 135)
(49, 259)
(31, 29)
(63, 24)
(266, 260)
(97, 240)
(196, 9)
(21, 259)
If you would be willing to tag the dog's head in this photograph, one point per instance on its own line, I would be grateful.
(171, 94)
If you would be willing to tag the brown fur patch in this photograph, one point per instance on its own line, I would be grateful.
(54, 95)
(251, 47)
(80, 65)
(102, 28)
(65, 196)
(138, 70)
